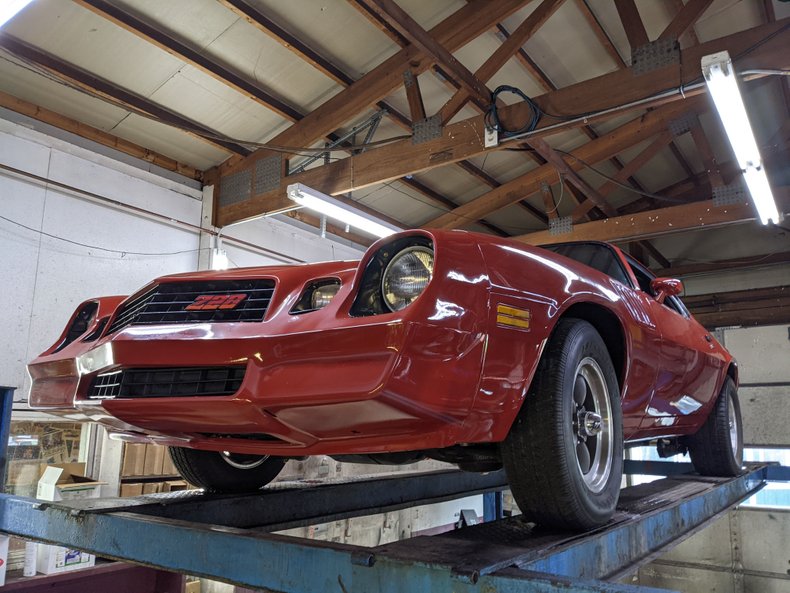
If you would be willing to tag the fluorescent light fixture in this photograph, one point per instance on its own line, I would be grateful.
(337, 210)
(723, 88)
(9, 9)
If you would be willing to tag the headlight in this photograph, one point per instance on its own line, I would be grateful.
(316, 296)
(323, 295)
(406, 276)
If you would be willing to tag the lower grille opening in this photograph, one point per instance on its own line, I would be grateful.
(167, 382)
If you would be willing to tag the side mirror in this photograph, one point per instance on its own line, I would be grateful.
(666, 287)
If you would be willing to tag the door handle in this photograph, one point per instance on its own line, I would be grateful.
(708, 338)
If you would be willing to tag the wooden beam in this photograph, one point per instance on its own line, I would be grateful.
(624, 137)
(723, 265)
(413, 95)
(548, 201)
(685, 18)
(503, 53)
(192, 56)
(94, 134)
(373, 17)
(656, 223)
(465, 139)
(600, 33)
(690, 33)
(705, 152)
(458, 29)
(632, 167)
(632, 23)
(761, 306)
(399, 19)
(120, 97)
(554, 159)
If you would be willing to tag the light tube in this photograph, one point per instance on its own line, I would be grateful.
(337, 210)
(10, 8)
(723, 88)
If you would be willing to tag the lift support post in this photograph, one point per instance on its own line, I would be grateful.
(505, 555)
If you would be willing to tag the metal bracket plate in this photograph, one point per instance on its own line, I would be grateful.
(235, 188)
(682, 124)
(561, 225)
(654, 55)
(727, 195)
(268, 173)
(426, 129)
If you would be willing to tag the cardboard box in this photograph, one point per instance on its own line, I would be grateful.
(54, 559)
(133, 460)
(175, 486)
(135, 489)
(154, 459)
(66, 481)
(168, 468)
(152, 487)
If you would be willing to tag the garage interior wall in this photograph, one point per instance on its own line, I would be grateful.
(46, 278)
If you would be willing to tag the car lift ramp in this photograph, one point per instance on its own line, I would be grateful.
(228, 538)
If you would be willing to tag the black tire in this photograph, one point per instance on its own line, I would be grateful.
(540, 452)
(711, 448)
(225, 472)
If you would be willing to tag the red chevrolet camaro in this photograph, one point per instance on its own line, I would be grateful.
(449, 345)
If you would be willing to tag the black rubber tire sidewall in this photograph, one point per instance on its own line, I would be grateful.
(710, 448)
(207, 469)
(539, 453)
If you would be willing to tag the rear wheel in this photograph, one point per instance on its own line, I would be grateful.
(564, 452)
(225, 471)
(717, 448)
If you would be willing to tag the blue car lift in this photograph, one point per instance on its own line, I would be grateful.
(229, 537)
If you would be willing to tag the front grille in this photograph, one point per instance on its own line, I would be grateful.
(246, 300)
(169, 382)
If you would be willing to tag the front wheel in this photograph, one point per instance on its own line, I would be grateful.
(717, 448)
(224, 471)
(564, 453)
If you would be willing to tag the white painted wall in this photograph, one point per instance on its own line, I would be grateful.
(44, 278)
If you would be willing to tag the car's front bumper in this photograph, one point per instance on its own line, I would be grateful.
(378, 385)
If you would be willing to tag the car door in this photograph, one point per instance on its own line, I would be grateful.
(690, 365)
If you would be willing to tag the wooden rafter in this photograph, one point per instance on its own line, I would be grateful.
(104, 89)
(705, 151)
(690, 33)
(263, 23)
(685, 18)
(399, 19)
(601, 33)
(602, 148)
(94, 134)
(632, 23)
(465, 24)
(503, 53)
(413, 95)
(464, 139)
(556, 160)
(630, 168)
(656, 223)
(760, 306)
(548, 201)
(739, 263)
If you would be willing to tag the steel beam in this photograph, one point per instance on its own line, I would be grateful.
(286, 505)
(506, 555)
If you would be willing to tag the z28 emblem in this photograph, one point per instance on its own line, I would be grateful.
(212, 302)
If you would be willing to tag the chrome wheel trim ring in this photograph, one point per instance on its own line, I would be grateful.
(733, 425)
(227, 457)
(602, 461)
